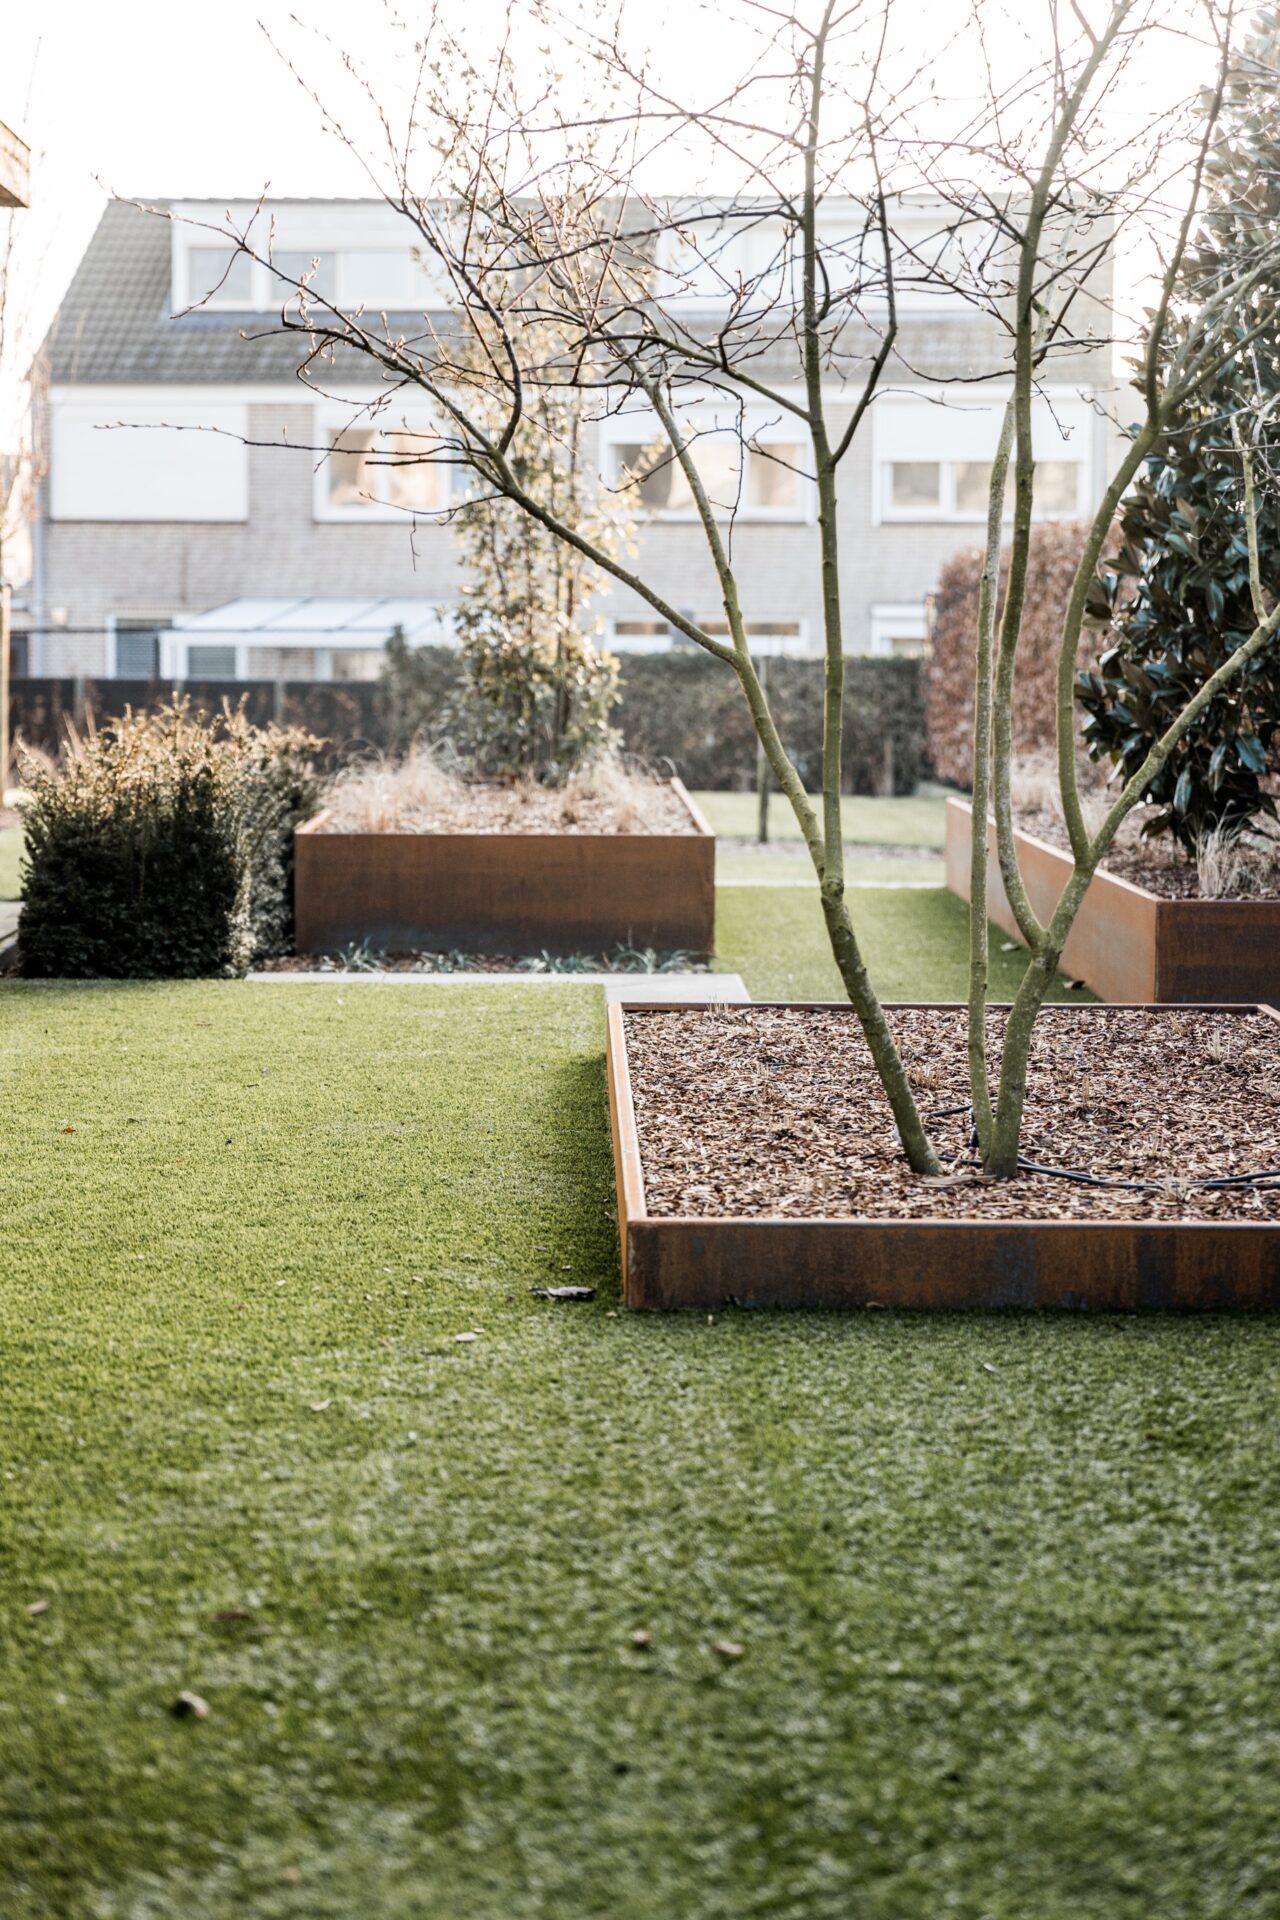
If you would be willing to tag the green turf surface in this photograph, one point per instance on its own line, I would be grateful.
(915, 943)
(918, 820)
(10, 850)
(1004, 1587)
(787, 863)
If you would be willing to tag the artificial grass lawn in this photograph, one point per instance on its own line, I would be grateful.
(10, 852)
(915, 942)
(787, 863)
(914, 820)
(1004, 1586)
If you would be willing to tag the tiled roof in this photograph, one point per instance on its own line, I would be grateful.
(114, 324)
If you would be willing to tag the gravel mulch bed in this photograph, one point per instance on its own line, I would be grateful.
(776, 1111)
(1163, 871)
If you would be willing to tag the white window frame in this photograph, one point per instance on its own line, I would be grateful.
(903, 619)
(1080, 451)
(794, 645)
(267, 291)
(947, 513)
(329, 422)
(637, 429)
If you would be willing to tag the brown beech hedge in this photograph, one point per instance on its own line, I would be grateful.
(948, 690)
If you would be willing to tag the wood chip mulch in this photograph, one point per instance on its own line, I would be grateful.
(762, 1111)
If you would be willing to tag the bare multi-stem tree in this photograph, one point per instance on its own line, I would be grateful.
(842, 176)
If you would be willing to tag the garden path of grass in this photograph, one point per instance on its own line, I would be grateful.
(910, 820)
(915, 942)
(1004, 1587)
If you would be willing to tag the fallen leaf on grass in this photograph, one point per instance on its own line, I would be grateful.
(320, 1406)
(238, 1617)
(466, 1336)
(189, 1706)
(563, 1293)
(37, 1607)
(640, 1639)
(68, 1129)
(727, 1649)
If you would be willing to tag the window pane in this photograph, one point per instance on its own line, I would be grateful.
(973, 486)
(643, 475)
(207, 266)
(293, 266)
(659, 479)
(773, 479)
(422, 485)
(717, 458)
(282, 663)
(211, 663)
(19, 655)
(137, 652)
(915, 483)
(356, 663)
(1056, 486)
(382, 279)
(351, 478)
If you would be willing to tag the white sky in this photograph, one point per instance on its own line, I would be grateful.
(161, 99)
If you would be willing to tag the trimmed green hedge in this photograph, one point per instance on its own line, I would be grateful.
(682, 707)
(162, 846)
(686, 709)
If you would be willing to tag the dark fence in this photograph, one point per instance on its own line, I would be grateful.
(679, 708)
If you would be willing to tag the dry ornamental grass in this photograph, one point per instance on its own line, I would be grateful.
(420, 794)
(768, 1111)
(1227, 867)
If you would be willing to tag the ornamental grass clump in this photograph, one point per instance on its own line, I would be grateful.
(161, 845)
(427, 793)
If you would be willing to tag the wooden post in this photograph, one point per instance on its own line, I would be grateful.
(763, 777)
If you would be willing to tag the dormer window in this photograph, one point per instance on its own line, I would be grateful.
(219, 278)
(375, 279)
(317, 269)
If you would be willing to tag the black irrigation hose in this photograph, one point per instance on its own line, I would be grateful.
(1083, 1179)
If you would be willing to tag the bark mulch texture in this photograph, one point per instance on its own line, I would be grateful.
(776, 1112)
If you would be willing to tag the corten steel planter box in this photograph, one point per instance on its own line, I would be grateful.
(506, 893)
(1128, 944)
(669, 1261)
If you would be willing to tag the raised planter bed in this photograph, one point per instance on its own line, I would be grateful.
(709, 1258)
(513, 893)
(1128, 944)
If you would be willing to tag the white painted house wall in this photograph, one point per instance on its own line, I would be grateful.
(174, 460)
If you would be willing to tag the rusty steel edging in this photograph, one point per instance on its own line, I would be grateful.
(1121, 1266)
